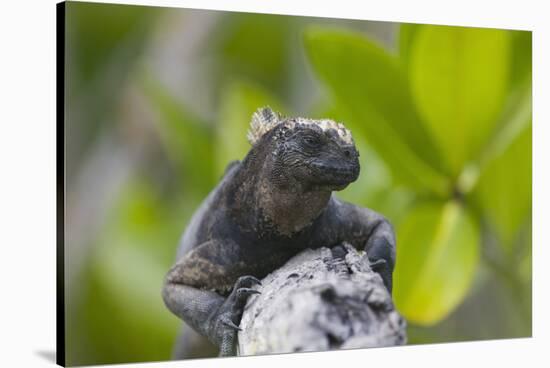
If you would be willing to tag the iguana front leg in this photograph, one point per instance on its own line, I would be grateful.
(368, 230)
(210, 266)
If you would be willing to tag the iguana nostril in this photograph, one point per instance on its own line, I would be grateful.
(347, 153)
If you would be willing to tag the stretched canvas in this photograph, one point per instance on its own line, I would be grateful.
(243, 184)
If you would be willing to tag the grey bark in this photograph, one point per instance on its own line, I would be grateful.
(321, 300)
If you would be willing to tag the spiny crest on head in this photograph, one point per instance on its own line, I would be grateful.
(265, 119)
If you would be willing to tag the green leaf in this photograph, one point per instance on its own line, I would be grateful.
(369, 85)
(522, 56)
(504, 192)
(130, 258)
(254, 47)
(437, 256)
(515, 118)
(239, 101)
(187, 140)
(459, 79)
(100, 33)
(407, 33)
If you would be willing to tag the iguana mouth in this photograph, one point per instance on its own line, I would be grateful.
(340, 175)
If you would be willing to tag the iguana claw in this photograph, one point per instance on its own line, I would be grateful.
(247, 291)
(247, 280)
(225, 320)
(378, 264)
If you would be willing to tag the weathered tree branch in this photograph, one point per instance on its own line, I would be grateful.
(320, 300)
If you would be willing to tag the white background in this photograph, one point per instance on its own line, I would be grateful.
(27, 181)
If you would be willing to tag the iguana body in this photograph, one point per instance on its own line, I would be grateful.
(267, 208)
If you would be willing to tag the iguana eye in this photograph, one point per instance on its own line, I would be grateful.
(311, 141)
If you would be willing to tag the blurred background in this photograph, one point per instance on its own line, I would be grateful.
(158, 101)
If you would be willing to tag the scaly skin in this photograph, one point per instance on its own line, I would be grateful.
(267, 208)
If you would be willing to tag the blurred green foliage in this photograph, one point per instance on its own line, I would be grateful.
(445, 100)
(441, 116)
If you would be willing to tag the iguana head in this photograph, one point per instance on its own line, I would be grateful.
(316, 154)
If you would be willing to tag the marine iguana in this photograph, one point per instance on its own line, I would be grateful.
(275, 203)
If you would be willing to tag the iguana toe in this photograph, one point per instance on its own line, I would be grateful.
(225, 324)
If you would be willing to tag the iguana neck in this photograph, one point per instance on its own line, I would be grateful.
(268, 199)
(290, 209)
